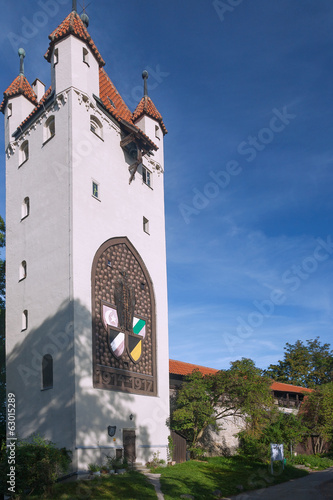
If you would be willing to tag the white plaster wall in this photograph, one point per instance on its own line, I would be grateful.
(21, 108)
(71, 71)
(119, 212)
(43, 241)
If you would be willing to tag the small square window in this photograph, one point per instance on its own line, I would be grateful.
(95, 189)
(146, 225)
(146, 176)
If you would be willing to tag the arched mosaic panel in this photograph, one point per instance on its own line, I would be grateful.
(123, 327)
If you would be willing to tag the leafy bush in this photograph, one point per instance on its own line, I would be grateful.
(93, 467)
(252, 448)
(38, 464)
(313, 461)
(197, 453)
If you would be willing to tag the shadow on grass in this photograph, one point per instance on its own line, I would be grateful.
(228, 475)
(129, 486)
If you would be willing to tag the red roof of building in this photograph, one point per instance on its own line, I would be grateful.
(73, 25)
(20, 86)
(181, 368)
(279, 386)
(147, 107)
(111, 98)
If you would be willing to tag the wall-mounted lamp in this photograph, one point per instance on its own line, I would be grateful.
(131, 416)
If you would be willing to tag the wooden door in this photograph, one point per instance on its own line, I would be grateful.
(129, 445)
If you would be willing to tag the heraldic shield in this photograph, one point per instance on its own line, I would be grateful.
(119, 339)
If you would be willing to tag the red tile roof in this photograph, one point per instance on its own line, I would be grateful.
(111, 98)
(73, 25)
(147, 107)
(279, 386)
(20, 86)
(181, 368)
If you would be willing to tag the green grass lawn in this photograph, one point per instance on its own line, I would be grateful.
(229, 475)
(129, 486)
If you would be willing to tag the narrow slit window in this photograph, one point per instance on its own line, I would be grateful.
(85, 56)
(96, 127)
(24, 152)
(10, 110)
(24, 320)
(49, 128)
(157, 131)
(55, 57)
(25, 210)
(95, 190)
(23, 270)
(146, 176)
(47, 372)
(146, 225)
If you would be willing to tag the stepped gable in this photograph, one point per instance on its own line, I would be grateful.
(20, 86)
(147, 107)
(73, 25)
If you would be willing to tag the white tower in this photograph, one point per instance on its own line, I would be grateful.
(86, 307)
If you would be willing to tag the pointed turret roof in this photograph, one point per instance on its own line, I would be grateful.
(148, 108)
(20, 86)
(73, 25)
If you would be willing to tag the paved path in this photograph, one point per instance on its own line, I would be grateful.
(155, 479)
(315, 486)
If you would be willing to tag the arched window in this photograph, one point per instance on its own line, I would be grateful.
(24, 152)
(49, 128)
(25, 209)
(24, 320)
(23, 270)
(96, 127)
(47, 372)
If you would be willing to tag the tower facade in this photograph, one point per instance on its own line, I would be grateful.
(86, 287)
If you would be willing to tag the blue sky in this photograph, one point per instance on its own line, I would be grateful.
(245, 90)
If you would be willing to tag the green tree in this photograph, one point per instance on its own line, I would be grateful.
(241, 391)
(193, 410)
(317, 415)
(306, 365)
